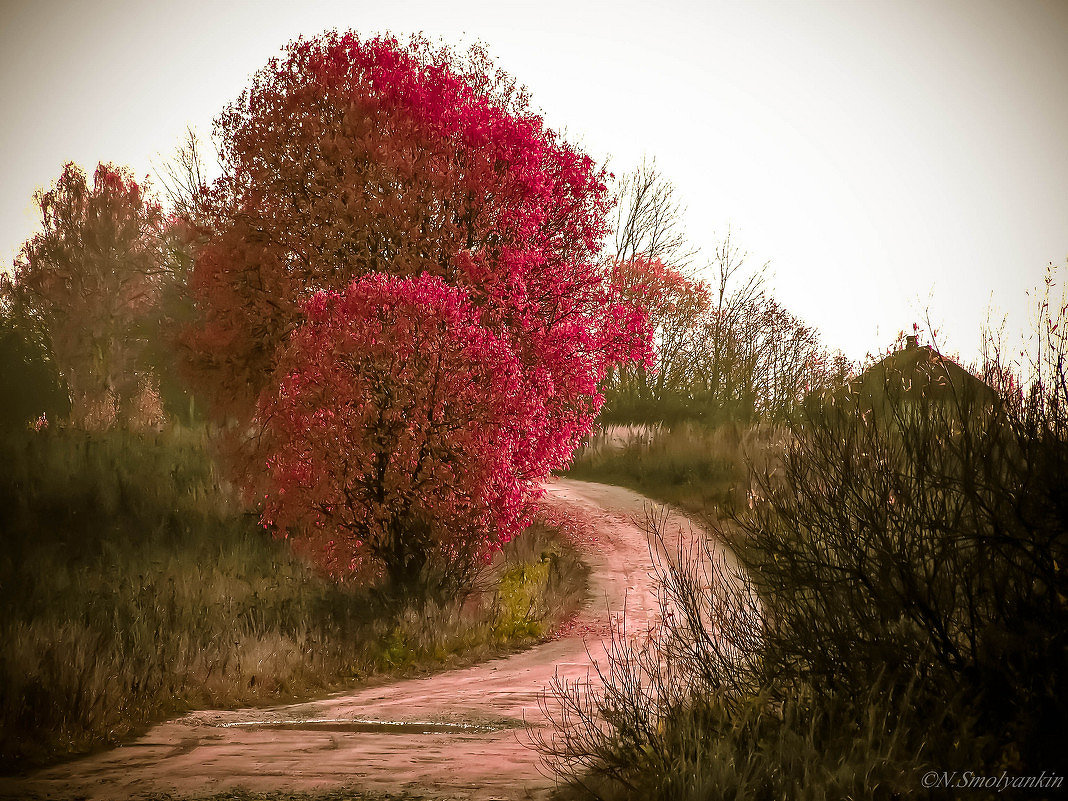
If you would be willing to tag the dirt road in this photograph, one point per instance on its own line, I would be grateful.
(462, 734)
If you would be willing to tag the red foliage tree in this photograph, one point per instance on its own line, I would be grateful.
(417, 407)
(89, 278)
(677, 308)
(347, 158)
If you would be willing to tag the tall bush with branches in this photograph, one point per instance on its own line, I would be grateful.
(683, 711)
(909, 555)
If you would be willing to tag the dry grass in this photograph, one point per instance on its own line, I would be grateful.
(133, 588)
(701, 470)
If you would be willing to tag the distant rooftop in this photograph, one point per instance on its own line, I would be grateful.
(918, 371)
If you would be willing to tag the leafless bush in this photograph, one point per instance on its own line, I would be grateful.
(704, 646)
(909, 555)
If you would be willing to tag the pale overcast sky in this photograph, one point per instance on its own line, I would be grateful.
(884, 156)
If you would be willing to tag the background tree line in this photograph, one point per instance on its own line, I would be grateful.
(94, 308)
(726, 348)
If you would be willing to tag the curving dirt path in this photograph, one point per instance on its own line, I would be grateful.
(458, 734)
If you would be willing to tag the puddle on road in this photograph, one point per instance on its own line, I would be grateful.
(375, 726)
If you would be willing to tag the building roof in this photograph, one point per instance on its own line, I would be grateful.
(918, 372)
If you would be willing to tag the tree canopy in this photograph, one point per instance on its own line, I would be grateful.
(358, 176)
(88, 279)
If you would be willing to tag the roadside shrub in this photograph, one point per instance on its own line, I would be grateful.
(925, 543)
(684, 711)
(909, 559)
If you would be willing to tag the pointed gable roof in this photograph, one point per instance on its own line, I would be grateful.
(918, 372)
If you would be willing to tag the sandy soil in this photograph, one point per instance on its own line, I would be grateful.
(469, 730)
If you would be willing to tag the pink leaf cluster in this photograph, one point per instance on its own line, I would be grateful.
(397, 408)
(404, 291)
(669, 298)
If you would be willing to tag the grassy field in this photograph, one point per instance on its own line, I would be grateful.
(702, 470)
(133, 587)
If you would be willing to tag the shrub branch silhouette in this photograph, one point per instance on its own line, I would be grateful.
(908, 551)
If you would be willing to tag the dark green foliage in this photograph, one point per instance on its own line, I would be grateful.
(30, 384)
(169, 317)
(695, 409)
